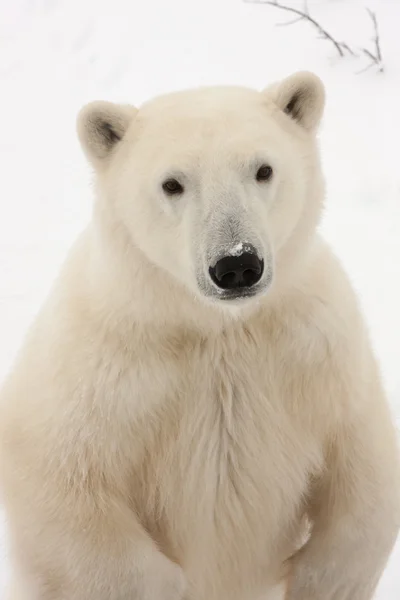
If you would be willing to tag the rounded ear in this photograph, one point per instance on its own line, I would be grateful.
(301, 96)
(101, 126)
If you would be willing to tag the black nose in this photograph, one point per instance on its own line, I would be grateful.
(242, 271)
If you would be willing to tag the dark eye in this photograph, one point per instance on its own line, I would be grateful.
(264, 173)
(172, 187)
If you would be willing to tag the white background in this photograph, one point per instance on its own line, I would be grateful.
(56, 55)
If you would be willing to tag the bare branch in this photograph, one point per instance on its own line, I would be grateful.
(375, 57)
(347, 48)
(376, 38)
(304, 15)
(369, 54)
(367, 68)
(292, 22)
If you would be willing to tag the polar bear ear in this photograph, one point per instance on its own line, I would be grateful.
(302, 97)
(101, 126)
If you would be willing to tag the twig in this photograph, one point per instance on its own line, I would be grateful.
(376, 57)
(367, 68)
(292, 22)
(305, 15)
(376, 40)
(369, 54)
(349, 50)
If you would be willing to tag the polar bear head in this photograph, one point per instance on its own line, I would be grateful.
(218, 187)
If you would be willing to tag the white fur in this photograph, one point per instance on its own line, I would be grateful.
(158, 443)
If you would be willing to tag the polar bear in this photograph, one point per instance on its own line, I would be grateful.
(200, 383)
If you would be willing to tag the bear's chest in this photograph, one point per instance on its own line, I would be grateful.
(230, 464)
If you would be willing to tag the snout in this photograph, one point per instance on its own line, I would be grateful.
(238, 272)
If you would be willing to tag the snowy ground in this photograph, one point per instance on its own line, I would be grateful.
(57, 54)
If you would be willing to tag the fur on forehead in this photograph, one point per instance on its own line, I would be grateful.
(102, 125)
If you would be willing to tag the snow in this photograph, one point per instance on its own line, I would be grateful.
(237, 250)
(56, 55)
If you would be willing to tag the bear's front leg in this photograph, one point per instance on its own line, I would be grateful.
(88, 552)
(355, 507)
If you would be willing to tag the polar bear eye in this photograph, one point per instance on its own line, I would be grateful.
(264, 173)
(172, 187)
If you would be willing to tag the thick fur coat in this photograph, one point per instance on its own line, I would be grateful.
(162, 439)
